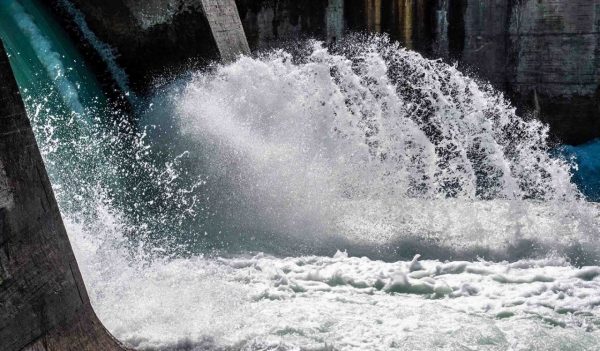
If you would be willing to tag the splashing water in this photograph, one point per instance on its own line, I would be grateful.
(99, 162)
(365, 147)
(381, 152)
(374, 149)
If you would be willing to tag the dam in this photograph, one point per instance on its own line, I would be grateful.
(261, 175)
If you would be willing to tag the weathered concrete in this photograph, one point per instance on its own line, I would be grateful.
(270, 22)
(226, 27)
(156, 37)
(334, 20)
(44, 305)
(556, 46)
(543, 53)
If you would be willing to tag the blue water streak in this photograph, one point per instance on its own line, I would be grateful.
(587, 172)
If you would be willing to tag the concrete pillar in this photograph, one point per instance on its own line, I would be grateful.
(440, 35)
(373, 14)
(405, 20)
(226, 27)
(43, 302)
(335, 20)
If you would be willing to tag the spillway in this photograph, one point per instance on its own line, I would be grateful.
(347, 197)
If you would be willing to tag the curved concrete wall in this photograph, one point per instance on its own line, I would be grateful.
(44, 305)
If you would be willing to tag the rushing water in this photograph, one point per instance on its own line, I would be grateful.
(234, 213)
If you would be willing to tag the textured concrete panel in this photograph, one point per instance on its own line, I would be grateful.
(335, 20)
(150, 13)
(485, 45)
(269, 22)
(556, 43)
(226, 28)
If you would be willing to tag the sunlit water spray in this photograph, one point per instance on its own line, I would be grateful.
(366, 148)
(375, 149)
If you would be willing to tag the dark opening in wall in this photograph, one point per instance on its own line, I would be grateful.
(424, 23)
(355, 15)
(456, 28)
(389, 18)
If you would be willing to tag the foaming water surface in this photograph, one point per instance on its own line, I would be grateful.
(234, 213)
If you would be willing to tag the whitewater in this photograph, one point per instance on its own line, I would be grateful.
(358, 198)
(355, 197)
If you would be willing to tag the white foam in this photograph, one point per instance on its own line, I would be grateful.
(342, 303)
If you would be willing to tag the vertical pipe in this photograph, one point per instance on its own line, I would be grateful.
(420, 25)
(456, 28)
(368, 15)
(440, 40)
(335, 20)
(377, 14)
(373, 14)
(405, 22)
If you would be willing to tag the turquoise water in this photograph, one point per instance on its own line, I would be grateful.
(60, 95)
(587, 172)
(96, 158)
(44, 60)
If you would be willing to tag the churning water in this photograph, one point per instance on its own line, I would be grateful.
(235, 213)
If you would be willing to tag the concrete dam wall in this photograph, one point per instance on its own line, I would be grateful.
(544, 54)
